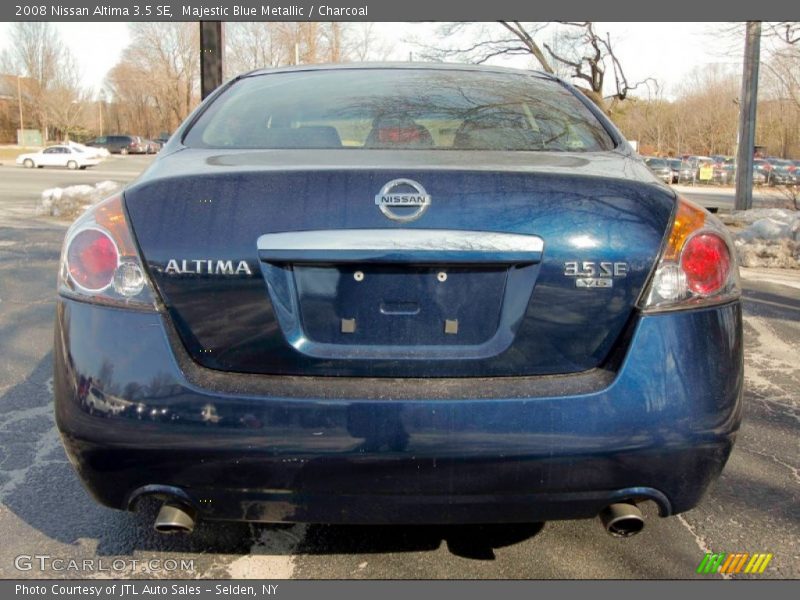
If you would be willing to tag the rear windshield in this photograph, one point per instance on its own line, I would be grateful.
(399, 109)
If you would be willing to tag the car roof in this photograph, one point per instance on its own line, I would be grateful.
(429, 66)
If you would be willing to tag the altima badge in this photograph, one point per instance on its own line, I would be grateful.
(207, 267)
(406, 195)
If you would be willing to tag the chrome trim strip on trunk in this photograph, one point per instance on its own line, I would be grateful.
(419, 246)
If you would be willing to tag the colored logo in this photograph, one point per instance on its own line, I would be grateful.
(742, 562)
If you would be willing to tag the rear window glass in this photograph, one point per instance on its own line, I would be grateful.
(399, 109)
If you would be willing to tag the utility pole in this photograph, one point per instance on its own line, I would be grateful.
(211, 48)
(21, 139)
(747, 117)
(101, 100)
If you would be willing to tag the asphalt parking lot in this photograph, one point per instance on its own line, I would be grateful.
(753, 507)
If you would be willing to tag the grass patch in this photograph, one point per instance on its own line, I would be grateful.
(9, 155)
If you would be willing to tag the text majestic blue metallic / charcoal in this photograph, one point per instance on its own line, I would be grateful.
(398, 294)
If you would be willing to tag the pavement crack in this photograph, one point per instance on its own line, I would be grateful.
(778, 405)
(701, 543)
(794, 470)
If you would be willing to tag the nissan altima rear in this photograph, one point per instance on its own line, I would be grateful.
(398, 294)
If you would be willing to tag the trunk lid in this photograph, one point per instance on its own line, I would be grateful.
(283, 262)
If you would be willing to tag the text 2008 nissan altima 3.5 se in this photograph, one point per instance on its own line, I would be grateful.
(398, 294)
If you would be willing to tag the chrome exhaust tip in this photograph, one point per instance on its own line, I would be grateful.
(175, 517)
(622, 519)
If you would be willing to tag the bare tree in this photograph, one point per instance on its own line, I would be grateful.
(254, 46)
(485, 41)
(364, 45)
(785, 31)
(33, 50)
(592, 55)
(583, 53)
(783, 72)
(134, 102)
(779, 102)
(262, 45)
(65, 98)
(161, 64)
(701, 119)
(37, 52)
(334, 35)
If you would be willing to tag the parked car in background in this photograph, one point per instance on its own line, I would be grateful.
(91, 152)
(682, 170)
(722, 173)
(58, 156)
(424, 293)
(729, 167)
(152, 146)
(119, 144)
(795, 169)
(763, 167)
(693, 161)
(704, 168)
(660, 167)
(783, 172)
(726, 171)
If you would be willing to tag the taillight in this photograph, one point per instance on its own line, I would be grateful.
(707, 262)
(92, 257)
(100, 262)
(698, 265)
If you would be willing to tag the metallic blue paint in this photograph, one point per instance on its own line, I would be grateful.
(240, 399)
(135, 411)
(193, 209)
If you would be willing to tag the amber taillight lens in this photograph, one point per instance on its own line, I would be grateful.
(697, 266)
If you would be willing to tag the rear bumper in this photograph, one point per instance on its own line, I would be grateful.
(138, 417)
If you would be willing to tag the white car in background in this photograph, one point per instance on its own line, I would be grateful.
(89, 151)
(58, 156)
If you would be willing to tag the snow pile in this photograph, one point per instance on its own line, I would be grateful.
(73, 200)
(770, 237)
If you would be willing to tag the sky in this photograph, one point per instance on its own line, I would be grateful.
(666, 51)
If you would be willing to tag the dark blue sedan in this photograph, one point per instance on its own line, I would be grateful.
(398, 294)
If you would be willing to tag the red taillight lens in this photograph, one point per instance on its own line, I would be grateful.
(92, 258)
(697, 266)
(707, 263)
(100, 262)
